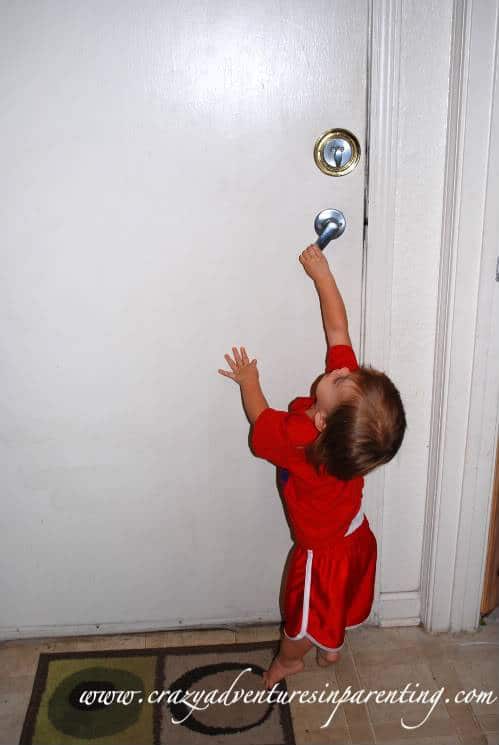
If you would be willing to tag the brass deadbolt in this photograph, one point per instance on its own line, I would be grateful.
(337, 152)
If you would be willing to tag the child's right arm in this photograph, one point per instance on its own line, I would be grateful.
(333, 308)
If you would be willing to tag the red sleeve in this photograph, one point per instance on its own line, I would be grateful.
(269, 437)
(341, 355)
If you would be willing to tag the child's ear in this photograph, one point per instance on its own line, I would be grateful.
(319, 421)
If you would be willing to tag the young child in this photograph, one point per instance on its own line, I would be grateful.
(323, 447)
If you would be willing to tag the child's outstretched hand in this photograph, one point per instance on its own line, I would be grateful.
(242, 369)
(314, 262)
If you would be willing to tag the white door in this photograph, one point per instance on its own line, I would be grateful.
(159, 186)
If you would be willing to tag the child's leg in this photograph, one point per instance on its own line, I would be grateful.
(292, 650)
(325, 659)
(288, 661)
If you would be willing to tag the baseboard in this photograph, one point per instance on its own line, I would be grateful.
(9, 633)
(57, 631)
(399, 609)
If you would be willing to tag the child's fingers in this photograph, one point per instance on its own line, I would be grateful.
(310, 252)
(244, 356)
(237, 356)
(227, 374)
(232, 365)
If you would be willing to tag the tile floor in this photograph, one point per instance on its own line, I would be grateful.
(372, 659)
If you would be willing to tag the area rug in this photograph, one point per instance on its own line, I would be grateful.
(204, 695)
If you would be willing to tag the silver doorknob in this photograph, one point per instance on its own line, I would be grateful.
(329, 224)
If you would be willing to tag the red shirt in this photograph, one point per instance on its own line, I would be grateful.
(320, 507)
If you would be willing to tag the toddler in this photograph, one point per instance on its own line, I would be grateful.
(323, 447)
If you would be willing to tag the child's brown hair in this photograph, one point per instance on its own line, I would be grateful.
(363, 432)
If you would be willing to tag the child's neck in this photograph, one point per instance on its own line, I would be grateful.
(312, 411)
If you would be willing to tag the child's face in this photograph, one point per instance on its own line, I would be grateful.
(332, 389)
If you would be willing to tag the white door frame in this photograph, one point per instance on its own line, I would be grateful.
(464, 418)
(460, 478)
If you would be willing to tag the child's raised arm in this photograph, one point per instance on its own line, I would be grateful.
(333, 308)
(245, 373)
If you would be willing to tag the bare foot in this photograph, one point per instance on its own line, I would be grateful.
(277, 671)
(325, 659)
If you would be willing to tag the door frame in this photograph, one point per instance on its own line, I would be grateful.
(464, 408)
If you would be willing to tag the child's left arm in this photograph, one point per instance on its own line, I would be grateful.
(245, 373)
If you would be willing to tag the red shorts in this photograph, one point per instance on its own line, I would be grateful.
(330, 590)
